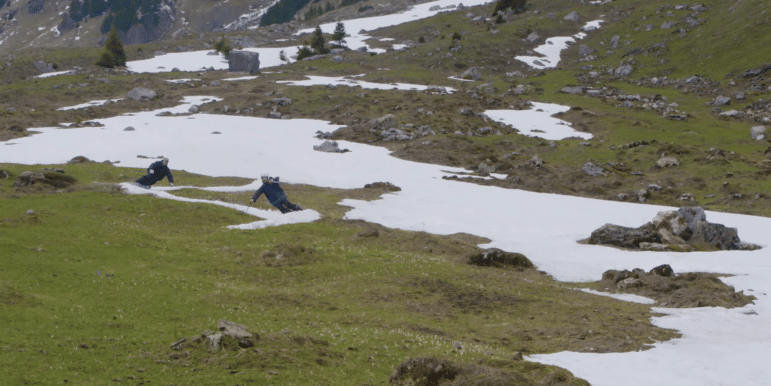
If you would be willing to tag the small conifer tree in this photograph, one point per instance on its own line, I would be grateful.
(318, 41)
(114, 55)
(339, 34)
(303, 52)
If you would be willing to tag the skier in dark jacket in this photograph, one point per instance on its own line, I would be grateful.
(275, 195)
(155, 173)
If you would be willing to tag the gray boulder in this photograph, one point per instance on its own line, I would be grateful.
(43, 66)
(624, 237)
(572, 16)
(666, 162)
(592, 170)
(584, 50)
(572, 89)
(472, 73)
(244, 61)
(485, 169)
(668, 25)
(237, 332)
(329, 147)
(758, 133)
(384, 122)
(533, 37)
(717, 236)
(624, 70)
(692, 215)
(283, 101)
(614, 42)
(141, 94)
(721, 101)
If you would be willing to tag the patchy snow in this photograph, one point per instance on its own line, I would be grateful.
(90, 104)
(182, 80)
(551, 49)
(314, 80)
(625, 297)
(538, 121)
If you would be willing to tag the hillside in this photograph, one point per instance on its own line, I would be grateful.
(672, 98)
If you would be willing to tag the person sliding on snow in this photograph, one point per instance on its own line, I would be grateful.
(155, 173)
(275, 195)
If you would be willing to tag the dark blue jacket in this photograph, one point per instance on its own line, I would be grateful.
(272, 191)
(159, 171)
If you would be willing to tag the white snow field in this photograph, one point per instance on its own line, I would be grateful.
(719, 346)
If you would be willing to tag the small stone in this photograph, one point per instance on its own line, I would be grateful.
(30, 211)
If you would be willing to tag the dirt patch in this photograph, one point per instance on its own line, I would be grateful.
(434, 371)
(685, 290)
(283, 255)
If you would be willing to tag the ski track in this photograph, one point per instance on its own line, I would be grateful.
(271, 218)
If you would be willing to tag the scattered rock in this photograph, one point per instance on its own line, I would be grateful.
(129, 128)
(721, 101)
(79, 160)
(329, 147)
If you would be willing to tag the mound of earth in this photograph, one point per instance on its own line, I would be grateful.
(683, 230)
(442, 372)
(283, 255)
(45, 180)
(686, 290)
(495, 257)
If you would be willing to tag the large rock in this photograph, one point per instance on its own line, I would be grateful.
(592, 169)
(329, 147)
(584, 50)
(758, 133)
(384, 122)
(43, 66)
(472, 73)
(244, 61)
(533, 37)
(666, 162)
(572, 16)
(624, 70)
(624, 237)
(721, 101)
(717, 236)
(572, 89)
(684, 230)
(141, 94)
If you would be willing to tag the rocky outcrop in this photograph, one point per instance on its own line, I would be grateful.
(684, 230)
(230, 335)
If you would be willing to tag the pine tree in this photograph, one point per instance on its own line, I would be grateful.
(114, 46)
(317, 42)
(339, 34)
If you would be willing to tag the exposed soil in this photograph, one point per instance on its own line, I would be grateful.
(685, 290)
